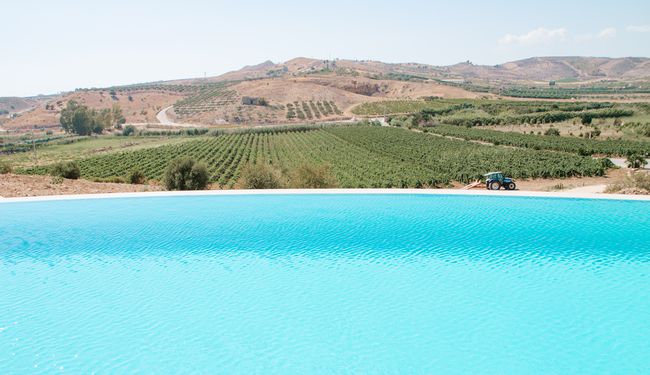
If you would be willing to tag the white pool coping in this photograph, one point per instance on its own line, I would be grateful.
(501, 193)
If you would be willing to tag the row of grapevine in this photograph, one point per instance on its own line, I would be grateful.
(359, 156)
(542, 142)
(311, 110)
(205, 100)
(464, 161)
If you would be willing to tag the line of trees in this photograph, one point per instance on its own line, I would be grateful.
(79, 119)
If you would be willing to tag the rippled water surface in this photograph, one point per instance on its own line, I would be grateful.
(325, 284)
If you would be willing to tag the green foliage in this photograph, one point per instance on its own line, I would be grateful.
(260, 176)
(186, 174)
(358, 156)
(554, 92)
(129, 130)
(68, 169)
(81, 120)
(308, 176)
(5, 167)
(552, 132)
(477, 112)
(566, 144)
(136, 177)
(205, 98)
(634, 160)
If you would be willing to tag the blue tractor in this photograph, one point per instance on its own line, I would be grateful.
(496, 180)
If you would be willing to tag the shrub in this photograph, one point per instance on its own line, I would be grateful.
(136, 177)
(552, 132)
(308, 176)
(635, 161)
(5, 167)
(186, 174)
(634, 183)
(128, 130)
(111, 179)
(259, 176)
(68, 169)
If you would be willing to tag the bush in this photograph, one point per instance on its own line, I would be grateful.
(635, 161)
(186, 174)
(313, 177)
(128, 130)
(634, 183)
(552, 132)
(136, 177)
(68, 169)
(259, 176)
(5, 167)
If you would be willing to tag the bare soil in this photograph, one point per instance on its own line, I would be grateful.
(12, 185)
(142, 108)
(572, 183)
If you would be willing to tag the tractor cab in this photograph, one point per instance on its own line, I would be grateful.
(496, 180)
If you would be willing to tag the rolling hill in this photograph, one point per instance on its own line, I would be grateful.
(310, 90)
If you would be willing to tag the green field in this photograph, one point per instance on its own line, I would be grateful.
(359, 156)
(81, 147)
(544, 142)
(471, 112)
(391, 107)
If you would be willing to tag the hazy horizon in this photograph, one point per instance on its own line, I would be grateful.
(72, 44)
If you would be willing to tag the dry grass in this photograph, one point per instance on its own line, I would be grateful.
(637, 183)
(12, 185)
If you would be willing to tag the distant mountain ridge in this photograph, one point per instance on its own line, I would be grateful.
(530, 69)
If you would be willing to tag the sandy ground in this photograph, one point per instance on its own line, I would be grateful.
(12, 185)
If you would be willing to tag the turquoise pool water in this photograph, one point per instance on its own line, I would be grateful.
(322, 284)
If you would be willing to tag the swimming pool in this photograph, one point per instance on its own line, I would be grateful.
(326, 284)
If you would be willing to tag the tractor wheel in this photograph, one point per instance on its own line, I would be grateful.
(511, 186)
(495, 185)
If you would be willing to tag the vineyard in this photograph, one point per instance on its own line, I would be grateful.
(208, 98)
(389, 107)
(162, 87)
(477, 112)
(554, 92)
(311, 110)
(570, 92)
(359, 156)
(542, 142)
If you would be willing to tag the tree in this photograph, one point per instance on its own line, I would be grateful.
(117, 116)
(186, 174)
(635, 161)
(81, 120)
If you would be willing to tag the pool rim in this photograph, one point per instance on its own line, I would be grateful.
(270, 192)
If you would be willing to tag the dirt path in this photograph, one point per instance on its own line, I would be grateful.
(164, 119)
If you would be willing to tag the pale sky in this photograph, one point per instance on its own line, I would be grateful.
(52, 46)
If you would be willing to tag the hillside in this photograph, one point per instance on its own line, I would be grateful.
(531, 69)
(312, 90)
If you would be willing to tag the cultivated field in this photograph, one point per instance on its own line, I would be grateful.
(359, 156)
